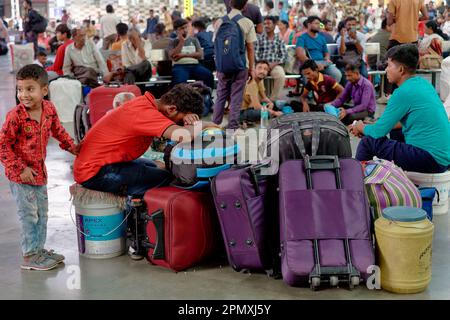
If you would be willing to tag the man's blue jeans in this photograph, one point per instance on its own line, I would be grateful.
(128, 178)
(32, 205)
(181, 73)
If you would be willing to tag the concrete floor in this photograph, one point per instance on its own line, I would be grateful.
(122, 278)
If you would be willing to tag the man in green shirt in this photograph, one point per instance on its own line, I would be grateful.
(417, 109)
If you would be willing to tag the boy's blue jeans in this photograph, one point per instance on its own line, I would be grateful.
(32, 204)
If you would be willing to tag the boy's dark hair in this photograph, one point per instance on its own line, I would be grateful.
(262, 62)
(271, 18)
(199, 24)
(185, 98)
(63, 28)
(179, 23)
(33, 72)
(96, 38)
(308, 3)
(269, 4)
(309, 64)
(160, 28)
(384, 24)
(41, 54)
(311, 19)
(352, 67)
(350, 19)
(122, 29)
(406, 55)
(109, 9)
(238, 4)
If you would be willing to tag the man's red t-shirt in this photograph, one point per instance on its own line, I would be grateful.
(122, 135)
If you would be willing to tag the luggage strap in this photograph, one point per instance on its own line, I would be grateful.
(315, 138)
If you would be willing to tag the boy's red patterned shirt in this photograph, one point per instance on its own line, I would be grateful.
(23, 141)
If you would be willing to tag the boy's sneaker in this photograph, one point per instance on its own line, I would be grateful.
(38, 262)
(53, 255)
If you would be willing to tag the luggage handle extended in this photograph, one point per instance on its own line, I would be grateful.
(322, 163)
(157, 218)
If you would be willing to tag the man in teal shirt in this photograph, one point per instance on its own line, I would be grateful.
(415, 106)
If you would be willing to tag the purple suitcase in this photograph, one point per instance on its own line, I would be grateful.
(325, 222)
(249, 226)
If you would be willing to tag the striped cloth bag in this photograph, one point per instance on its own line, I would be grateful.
(387, 186)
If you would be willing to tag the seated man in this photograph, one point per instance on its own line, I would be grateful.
(416, 105)
(135, 58)
(255, 95)
(317, 49)
(324, 88)
(162, 41)
(185, 53)
(351, 48)
(122, 36)
(63, 35)
(109, 157)
(270, 47)
(206, 42)
(84, 61)
(361, 91)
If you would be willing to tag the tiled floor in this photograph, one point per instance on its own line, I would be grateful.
(122, 278)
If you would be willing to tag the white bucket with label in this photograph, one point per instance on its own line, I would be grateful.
(441, 181)
(101, 230)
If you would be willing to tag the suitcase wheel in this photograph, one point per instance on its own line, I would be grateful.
(315, 283)
(355, 281)
(334, 281)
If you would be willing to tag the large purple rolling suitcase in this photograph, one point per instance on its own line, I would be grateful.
(248, 218)
(325, 222)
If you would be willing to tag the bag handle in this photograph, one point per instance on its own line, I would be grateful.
(315, 139)
(322, 163)
(157, 218)
(299, 139)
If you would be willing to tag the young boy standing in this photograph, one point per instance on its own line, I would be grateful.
(23, 142)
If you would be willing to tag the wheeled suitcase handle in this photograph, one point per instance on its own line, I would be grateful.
(157, 218)
(322, 163)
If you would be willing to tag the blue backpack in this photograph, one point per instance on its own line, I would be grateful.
(229, 46)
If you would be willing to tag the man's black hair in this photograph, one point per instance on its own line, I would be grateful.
(308, 3)
(41, 54)
(384, 24)
(285, 23)
(238, 4)
(325, 21)
(352, 67)
(199, 24)
(262, 62)
(186, 98)
(406, 55)
(270, 4)
(271, 18)
(311, 19)
(29, 3)
(179, 23)
(122, 29)
(109, 9)
(309, 64)
(63, 28)
(33, 72)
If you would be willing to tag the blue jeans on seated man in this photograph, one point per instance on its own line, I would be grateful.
(331, 70)
(181, 73)
(406, 156)
(128, 178)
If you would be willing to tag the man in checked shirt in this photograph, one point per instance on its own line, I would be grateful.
(271, 48)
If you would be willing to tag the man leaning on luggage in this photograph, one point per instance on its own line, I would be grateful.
(414, 107)
(109, 160)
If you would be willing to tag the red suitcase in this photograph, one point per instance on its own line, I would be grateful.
(101, 99)
(182, 227)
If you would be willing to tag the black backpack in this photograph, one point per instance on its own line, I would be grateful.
(3, 48)
(81, 122)
(39, 23)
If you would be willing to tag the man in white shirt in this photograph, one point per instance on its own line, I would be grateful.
(446, 26)
(84, 61)
(108, 27)
(311, 9)
(135, 58)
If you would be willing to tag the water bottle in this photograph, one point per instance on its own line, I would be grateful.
(264, 116)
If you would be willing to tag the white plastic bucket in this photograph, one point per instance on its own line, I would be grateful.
(101, 230)
(441, 181)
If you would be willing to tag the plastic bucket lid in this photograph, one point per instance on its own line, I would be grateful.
(404, 214)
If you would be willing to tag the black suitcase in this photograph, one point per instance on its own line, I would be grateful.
(322, 134)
